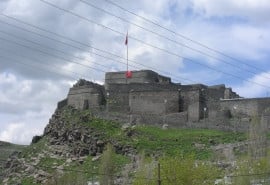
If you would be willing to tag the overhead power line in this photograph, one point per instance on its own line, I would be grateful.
(65, 60)
(46, 53)
(169, 39)
(51, 48)
(148, 44)
(35, 67)
(14, 53)
(87, 45)
(183, 36)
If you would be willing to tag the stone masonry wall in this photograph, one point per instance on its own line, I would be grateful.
(143, 76)
(150, 98)
(152, 102)
(117, 95)
(84, 97)
(250, 107)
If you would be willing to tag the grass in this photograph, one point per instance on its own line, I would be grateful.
(153, 140)
(6, 149)
(47, 163)
(34, 149)
(149, 140)
(181, 141)
(90, 169)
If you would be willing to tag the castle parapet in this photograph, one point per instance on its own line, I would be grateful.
(143, 76)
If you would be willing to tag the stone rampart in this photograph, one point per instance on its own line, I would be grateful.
(245, 106)
(150, 98)
(154, 102)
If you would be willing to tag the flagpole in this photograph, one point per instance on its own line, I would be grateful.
(127, 51)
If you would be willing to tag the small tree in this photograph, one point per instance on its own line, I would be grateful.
(106, 169)
(255, 167)
(180, 171)
(68, 179)
(257, 138)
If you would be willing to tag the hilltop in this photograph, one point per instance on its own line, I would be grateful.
(119, 132)
(74, 141)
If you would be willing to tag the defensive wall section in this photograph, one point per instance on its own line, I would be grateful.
(146, 97)
(86, 95)
(248, 107)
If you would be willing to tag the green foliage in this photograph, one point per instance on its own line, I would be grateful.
(175, 142)
(106, 170)
(249, 170)
(109, 129)
(28, 181)
(47, 162)
(255, 168)
(153, 140)
(68, 179)
(34, 149)
(178, 171)
(8, 148)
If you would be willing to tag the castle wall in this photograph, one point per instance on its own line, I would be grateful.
(154, 102)
(249, 107)
(84, 97)
(212, 97)
(117, 95)
(149, 98)
(143, 76)
(190, 102)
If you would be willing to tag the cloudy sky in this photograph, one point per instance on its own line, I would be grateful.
(46, 45)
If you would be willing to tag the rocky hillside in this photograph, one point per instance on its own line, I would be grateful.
(6, 150)
(74, 141)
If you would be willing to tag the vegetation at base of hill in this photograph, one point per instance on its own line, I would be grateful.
(177, 170)
(252, 170)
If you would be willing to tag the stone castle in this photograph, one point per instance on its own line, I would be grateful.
(150, 98)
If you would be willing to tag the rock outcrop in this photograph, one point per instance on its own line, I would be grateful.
(64, 141)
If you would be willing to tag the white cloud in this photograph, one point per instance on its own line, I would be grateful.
(258, 85)
(258, 10)
(26, 106)
(20, 133)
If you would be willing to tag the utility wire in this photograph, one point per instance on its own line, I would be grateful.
(67, 60)
(47, 47)
(60, 51)
(41, 63)
(51, 48)
(46, 53)
(87, 45)
(35, 67)
(167, 38)
(183, 36)
(148, 44)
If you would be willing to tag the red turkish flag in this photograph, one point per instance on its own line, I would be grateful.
(128, 74)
